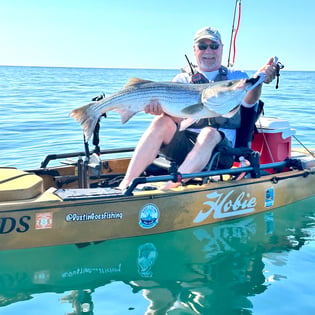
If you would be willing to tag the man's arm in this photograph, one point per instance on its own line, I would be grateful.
(269, 70)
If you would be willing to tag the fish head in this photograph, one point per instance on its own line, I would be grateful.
(224, 96)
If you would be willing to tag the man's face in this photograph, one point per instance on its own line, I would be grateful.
(208, 58)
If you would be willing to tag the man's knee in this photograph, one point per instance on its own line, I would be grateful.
(164, 128)
(163, 122)
(209, 134)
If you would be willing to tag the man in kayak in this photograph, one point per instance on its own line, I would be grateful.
(193, 147)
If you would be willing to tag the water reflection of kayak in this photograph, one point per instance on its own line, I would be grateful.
(194, 257)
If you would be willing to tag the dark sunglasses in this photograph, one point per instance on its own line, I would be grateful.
(204, 46)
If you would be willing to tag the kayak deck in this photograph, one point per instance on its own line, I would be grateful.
(61, 183)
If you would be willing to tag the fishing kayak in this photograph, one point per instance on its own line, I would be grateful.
(77, 200)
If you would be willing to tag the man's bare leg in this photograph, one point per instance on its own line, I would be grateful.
(199, 156)
(161, 131)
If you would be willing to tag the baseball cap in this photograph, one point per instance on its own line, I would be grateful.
(207, 33)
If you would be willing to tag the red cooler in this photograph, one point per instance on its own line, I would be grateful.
(273, 140)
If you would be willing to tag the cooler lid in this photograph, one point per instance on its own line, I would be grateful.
(275, 125)
(272, 123)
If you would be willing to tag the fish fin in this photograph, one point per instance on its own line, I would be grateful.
(135, 81)
(125, 114)
(192, 109)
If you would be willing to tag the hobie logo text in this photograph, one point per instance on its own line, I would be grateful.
(225, 206)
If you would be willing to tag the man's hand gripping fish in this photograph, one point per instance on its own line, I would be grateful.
(193, 101)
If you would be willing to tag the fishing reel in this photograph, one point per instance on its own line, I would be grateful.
(279, 66)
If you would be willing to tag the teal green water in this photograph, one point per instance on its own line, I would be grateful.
(257, 265)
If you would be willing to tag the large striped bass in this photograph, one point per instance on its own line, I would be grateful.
(193, 101)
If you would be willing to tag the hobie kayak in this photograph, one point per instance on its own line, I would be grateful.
(77, 201)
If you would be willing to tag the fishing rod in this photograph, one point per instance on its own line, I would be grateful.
(234, 32)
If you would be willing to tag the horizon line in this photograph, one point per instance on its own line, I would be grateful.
(131, 68)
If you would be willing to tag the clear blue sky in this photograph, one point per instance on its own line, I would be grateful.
(152, 34)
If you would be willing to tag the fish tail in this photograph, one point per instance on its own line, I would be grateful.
(87, 118)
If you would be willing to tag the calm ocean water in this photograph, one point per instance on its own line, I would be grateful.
(257, 265)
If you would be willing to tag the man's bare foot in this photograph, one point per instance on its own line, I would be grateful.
(170, 185)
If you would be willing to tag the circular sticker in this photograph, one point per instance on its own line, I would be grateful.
(149, 216)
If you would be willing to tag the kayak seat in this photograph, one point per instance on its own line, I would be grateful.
(161, 165)
(19, 185)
